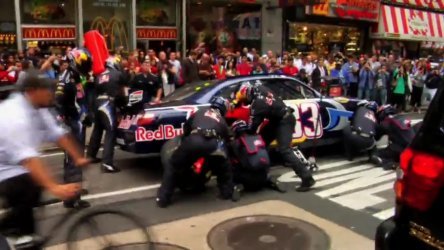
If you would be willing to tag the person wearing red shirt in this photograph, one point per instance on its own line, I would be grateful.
(290, 69)
(244, 68)
(219, 68)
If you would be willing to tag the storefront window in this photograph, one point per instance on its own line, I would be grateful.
(223, 24)
(113, 20)
(156, 12)
(323, 39)
(47, 11)
(7, 26)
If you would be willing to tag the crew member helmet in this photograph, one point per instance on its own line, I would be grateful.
(80, 60)
(221, 104)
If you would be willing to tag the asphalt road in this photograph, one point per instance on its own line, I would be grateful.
(354, 195)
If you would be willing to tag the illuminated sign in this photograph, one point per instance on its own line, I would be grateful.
(49, 33)
(164, 33)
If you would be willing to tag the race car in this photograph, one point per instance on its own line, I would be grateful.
(144, 127)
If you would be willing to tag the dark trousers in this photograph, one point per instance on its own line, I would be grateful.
(353, 89)
(354, 143)
(21, 195)
(72, 173)
(189, 151)
(282, 132)
(415, 99)
(104, 120)
(398, 100)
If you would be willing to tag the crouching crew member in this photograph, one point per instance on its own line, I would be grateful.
(264, 105)
(206, 135)
(400, 134)
(359, 136)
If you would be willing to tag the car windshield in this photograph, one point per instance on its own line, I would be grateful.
(189, 89)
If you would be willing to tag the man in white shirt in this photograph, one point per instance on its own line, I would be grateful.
(26, 122)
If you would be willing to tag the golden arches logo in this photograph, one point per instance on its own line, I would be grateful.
(113, 30)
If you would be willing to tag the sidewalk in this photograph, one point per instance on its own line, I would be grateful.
(195, 233)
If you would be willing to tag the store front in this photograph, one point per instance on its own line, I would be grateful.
(224, 24)
(8, 28)
(157, 24)
(113, 19)
(48, 24)
(411, 27)
(334, 26)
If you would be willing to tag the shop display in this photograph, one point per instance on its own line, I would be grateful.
(323, 39)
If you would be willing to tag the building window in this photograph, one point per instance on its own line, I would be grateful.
(47, 11)
(7, 26)
(222, 24)
(112, 18)
(156, 12)
(323, 39)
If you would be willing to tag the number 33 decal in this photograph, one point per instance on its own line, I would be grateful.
(308, 120)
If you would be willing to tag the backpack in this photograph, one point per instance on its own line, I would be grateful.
(251, 152)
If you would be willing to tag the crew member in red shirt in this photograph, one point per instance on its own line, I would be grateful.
(244, 68)
(290, 69)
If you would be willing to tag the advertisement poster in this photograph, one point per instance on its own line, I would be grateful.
(248, 26)
(156, 12)
(48, 11)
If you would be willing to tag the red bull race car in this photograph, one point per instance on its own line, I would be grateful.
(143, 127)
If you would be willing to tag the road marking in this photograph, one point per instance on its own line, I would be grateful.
(364, 198)
(121, 192)
(344, 171)
(385, 214)
(358, 180)
(290, 176)
(361, 175)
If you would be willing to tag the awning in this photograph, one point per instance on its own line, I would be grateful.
(408, 24)
(432, 4)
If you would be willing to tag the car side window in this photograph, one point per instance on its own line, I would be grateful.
(228, 92)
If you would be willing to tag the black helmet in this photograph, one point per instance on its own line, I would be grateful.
(80, 61)
(385, 111)
(221, 104)
(239, 127)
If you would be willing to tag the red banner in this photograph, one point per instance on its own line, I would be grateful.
(157, 33)
(56, 33)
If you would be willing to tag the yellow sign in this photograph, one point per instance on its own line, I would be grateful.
(321, 9)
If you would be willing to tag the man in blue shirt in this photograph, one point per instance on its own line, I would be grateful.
(350, 71)
(26, 122)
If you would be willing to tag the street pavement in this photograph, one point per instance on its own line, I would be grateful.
(349, 200)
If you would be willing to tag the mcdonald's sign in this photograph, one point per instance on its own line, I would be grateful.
(48, 33)
(164, 33)
(286, 3)
(321, 9)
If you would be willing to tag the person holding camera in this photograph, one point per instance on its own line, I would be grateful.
(366, 81)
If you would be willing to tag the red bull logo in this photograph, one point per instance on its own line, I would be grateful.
(163, 132)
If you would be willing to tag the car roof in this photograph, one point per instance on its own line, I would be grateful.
(233, 80)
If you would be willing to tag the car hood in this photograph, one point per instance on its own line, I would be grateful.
(167, 104)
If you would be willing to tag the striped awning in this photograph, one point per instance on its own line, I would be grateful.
(408, 24)
(431, 4)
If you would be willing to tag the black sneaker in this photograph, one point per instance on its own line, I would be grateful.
(77, 204)
(95, 160)
(106, 168)
(162, 203)
(306, 185)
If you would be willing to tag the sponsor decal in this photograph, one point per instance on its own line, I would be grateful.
(136, 96)
(308, 120)
(163, 132)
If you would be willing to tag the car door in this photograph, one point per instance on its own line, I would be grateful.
(305, 103)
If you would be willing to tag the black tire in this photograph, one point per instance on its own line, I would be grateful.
(88, 219)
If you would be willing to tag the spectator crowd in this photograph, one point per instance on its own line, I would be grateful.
(382, 78)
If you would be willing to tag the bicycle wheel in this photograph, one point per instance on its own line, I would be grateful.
(91, 231)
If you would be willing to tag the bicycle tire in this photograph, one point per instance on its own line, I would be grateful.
(88, 218)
